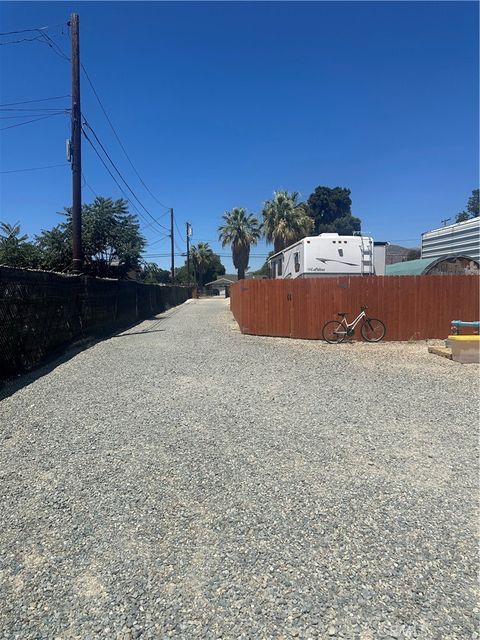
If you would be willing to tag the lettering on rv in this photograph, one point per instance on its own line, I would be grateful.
(325, 260)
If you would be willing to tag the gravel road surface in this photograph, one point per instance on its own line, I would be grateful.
(183, 480)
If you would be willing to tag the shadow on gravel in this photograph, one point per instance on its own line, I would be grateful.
(11, 385)
(138, 333)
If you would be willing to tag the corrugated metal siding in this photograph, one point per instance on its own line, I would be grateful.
(463, 237)
(412, 307)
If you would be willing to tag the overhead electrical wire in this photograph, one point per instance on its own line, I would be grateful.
(10, 33)
(53, 45)
(147, 222)
(14, 104)
(121, 177)
(49, 166)
(30, 109)
(118, 138)
(178, 230)
(39, 38)
(85, 184)
(20, 124)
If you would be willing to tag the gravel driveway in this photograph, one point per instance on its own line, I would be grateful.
(183, 480)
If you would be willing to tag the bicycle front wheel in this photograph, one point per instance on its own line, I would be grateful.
(333, 332)
(373, 330)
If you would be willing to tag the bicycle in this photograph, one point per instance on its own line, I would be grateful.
(335, 331)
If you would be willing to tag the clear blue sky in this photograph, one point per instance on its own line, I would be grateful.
(218, 104)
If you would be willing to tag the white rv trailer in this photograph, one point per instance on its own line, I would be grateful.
(329, 254)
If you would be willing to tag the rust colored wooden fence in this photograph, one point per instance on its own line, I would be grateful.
(412, 307)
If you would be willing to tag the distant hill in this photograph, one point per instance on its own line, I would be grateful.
(396, 253)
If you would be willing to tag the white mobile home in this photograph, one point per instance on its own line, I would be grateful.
(329, 255)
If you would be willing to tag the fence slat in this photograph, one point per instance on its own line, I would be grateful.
(412, 307)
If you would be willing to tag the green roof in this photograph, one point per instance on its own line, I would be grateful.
(409, 267)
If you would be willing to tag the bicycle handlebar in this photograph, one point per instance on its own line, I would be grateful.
(364, 308)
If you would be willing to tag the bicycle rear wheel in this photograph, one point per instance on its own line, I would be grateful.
(373, 330)
(333, 332)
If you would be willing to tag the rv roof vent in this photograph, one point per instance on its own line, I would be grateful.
(328, 235)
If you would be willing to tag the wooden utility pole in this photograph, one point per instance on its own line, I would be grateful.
(188, 252)
(172, 246)
(76, 146)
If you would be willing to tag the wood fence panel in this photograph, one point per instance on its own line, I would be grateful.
(412, 307)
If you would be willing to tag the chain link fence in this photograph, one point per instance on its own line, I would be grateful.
(43, 312)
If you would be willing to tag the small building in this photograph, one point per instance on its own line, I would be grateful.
(220, 286)
(461, 238)
(444, 266)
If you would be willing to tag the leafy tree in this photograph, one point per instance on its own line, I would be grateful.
(215, 269)
(200, 256)
(205, 266)
(111, 239)
(55, 246)
(264, 270)
(331, 210)
(285, 220)
(15, 250)
(240, 230)
(472, 209)
(110, 234)
(153, 274)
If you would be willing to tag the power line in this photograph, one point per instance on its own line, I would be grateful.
(20, 124)
(39, 38)
(54, 46)
(31, 115)
(85, 183)
(180, 233)
(10, 33)
(30, 109)
(14, 104)
(148, 224)
(166, 237)
(118, 139)
(50, 166)
(123, 179)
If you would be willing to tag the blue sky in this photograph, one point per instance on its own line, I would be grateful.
(218, 104)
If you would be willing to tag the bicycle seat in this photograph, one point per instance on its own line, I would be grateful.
(342, 313)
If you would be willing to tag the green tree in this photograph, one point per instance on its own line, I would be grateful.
(285, 220)
(264, 270)
(111, 239)
(472, 209)
(240, 230)
(205, 266)
(331, 210)
(15, 250)
(153, 274)
(55, 246)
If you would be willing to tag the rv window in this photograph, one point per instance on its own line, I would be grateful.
(297, 261)
(279, 267)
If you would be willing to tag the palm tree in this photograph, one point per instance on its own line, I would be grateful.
(285, 220)
(241, 229)
(201, 256)
(10, 233)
